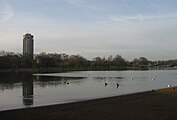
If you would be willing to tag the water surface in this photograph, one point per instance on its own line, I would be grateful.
(26, 90)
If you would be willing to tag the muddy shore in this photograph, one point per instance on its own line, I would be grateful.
(151, 105)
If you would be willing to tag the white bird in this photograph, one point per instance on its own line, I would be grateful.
(169, 85)
(153, 78)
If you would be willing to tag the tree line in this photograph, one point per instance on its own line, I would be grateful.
(9, 60)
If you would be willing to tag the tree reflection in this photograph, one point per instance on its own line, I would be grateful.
(51, 81)
(11, 81)
(25, 82)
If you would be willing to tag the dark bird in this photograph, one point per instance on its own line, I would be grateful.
(117, 85)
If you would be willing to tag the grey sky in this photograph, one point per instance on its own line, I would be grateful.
(92, 27)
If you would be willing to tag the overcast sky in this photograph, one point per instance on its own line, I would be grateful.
(131, 28)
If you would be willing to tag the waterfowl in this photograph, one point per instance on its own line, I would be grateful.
(117, 85)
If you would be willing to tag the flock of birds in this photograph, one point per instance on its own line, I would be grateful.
(106, 83)
(66, 83)
(117, 84)
(152, 78)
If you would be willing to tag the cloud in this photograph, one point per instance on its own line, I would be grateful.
(154, 5)
(82, 4)
(140, 17)
(104, 33)
(79, 3)
(6, 11)
(126, 4)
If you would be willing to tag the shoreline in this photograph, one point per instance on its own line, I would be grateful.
(68, 69)
(155, 105)
(72, 102)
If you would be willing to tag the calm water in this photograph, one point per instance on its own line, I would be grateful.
(25, 90)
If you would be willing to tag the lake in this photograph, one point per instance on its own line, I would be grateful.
(27, 90)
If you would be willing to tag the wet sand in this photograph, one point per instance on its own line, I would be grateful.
(152, 105)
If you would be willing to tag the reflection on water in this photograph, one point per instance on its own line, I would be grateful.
(47, 81)
(25, 90)
(28, 93)
(11, 81)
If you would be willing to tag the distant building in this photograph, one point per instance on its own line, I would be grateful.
(28, 45)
